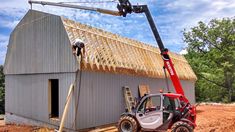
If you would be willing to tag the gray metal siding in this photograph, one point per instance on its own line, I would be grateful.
(101, 99)
(39, 44)
(27, 96)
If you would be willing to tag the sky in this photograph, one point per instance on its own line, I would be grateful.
(170, 16)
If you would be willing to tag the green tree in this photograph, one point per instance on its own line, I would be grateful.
(211, 53)
(2, 91)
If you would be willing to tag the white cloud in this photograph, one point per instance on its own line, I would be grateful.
(183, 52)
(3, 42)
(3, 47)
(202, 10)
(2, 57)
(3, 37)
(8, 23)
(182, 4)
(184, 14)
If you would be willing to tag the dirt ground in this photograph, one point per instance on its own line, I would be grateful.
(210, 118)
(215, 118)
(21, 128)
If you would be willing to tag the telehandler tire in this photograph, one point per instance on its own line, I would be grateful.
(181, 126)
(127, 124)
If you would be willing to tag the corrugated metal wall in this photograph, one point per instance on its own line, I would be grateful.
(27, 96)
(39, 44)
(102, 101)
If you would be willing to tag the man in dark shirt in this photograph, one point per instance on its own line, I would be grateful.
(77, 47)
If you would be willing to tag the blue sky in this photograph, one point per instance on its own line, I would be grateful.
(171, 18)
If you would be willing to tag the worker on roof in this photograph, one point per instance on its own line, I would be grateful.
(78, 46)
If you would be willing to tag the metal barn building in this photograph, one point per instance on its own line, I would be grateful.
(40, 67)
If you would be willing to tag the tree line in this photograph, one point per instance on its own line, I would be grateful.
(211, 54)
(2, 91)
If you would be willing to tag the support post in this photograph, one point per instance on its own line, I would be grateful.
(68, 99)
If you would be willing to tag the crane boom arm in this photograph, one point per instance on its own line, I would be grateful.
(100, 10)
(164, 52)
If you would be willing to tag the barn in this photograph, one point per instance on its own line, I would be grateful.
(40, 66)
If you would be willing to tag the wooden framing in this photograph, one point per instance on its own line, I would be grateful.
(108, 52)
(67, 103)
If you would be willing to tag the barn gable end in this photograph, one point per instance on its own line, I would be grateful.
(39, 44)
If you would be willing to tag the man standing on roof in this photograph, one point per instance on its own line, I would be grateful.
(78, 46)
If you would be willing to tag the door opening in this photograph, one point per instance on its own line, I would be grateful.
(54, 98)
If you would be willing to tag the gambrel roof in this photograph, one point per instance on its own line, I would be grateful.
(41, 43)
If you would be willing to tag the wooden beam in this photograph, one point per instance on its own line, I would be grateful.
(68, 99)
